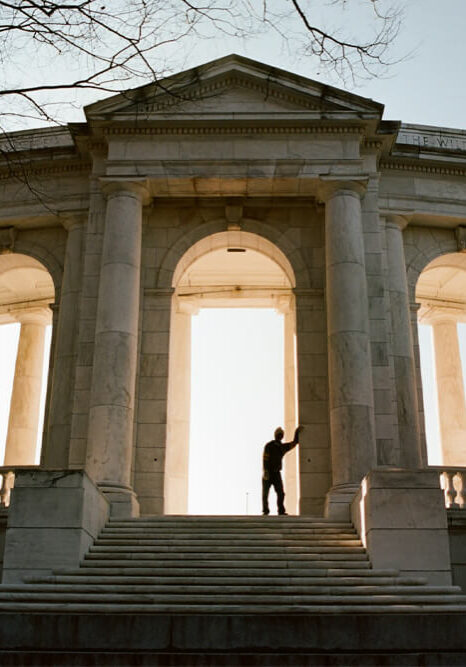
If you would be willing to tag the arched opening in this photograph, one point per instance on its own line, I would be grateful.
(26, 292)
(224, 285)
(441, 293)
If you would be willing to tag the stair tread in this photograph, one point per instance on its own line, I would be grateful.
(212, 564)
(189, 571)
(226, 581)
(228, 548)
(150, 598)
(258, 589)
(269, 609)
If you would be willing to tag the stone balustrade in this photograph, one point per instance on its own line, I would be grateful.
(453, 484)
(7, 482)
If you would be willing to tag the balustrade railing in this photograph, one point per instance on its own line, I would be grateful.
(453, 484)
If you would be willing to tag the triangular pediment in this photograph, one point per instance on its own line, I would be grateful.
(233, 87)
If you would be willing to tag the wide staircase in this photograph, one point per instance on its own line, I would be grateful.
(228, 565)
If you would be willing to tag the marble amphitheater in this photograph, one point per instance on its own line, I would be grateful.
(117, 231)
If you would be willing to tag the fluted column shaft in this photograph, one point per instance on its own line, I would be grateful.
(23, 421)
(291, 460)
(450, 389)
(402, 345)
(111, 411)
(178, 415)
(350, 379)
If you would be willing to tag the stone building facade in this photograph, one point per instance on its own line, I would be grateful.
(362, 222)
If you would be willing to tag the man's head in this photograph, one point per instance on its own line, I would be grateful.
(279, 433)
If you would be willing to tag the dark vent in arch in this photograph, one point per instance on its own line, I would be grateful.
(236, 249)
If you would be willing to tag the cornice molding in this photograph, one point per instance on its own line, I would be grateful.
(24, 171)
(321, 129)
(376, 144)
(422, 168)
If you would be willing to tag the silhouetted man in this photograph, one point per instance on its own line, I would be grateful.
(274, 451)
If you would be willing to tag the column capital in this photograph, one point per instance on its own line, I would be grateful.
(395, 221)
(38, 315)
(188, 305)
(329, 187)
(72, 219)
(430, 313)
(136, 187)
(284, 304)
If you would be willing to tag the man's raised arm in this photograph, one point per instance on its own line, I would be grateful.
(295, 441)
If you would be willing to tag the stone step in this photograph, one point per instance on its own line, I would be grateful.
(244, 555)
(265, 538)
(212, 589)
(232, 599)
(219, 531)
(207, 578)
(243, 539)
(239, 519)
(379, 607)
(92, 569)
(231, 564)
(264, 526)
(215, 548)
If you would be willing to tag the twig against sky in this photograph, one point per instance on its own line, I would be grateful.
(53, 50)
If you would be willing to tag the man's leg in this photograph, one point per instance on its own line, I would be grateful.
(266, 483)
(278, 486)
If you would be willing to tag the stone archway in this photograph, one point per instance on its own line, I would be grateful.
(441, 293)
(224, 270)
(26, 292)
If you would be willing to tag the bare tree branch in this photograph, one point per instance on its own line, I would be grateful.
(99, 45)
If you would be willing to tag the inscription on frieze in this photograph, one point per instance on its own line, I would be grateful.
(441, 140)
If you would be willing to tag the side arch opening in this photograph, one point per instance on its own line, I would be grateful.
(441, 295)
(26, 292)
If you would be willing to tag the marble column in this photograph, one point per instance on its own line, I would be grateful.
(402, 346)
(23, 422)
(351, 405)
(178, 407)
(450, 387)
(287, 308)
(55, 453)
(110, 435)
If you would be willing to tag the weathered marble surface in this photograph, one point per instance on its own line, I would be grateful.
(54, 517)
(401, 517)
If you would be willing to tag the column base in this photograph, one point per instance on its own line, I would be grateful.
(123, 501)
(338, 502)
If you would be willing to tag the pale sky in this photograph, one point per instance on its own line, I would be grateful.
(427, 86)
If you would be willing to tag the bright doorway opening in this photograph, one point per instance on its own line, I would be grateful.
(237, 400)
